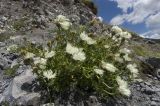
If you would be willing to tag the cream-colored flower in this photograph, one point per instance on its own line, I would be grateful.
(123, 86)
(71, 49)
(126, 35)
(118, 58)
(124, 90)
(108, 66)
(106, 46)
(116, 29)
(125, 51)
(49, 74)
(86, 38)
(127, 58)
(99, 71)
(63, 21)
(39, 60)
(41, 66)
(49, 54)
(2, 31)
(12, 47)
(79, 56)
(120, 38)
(29, 55)
(133, 69)
(115, 38)
(77, 53)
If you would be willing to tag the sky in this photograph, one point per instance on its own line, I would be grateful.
(140, 16)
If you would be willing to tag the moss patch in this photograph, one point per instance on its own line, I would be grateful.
(4, 37)
(145, 51)
(10, 72)
(18, 24)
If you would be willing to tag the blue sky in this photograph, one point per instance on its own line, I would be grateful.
(140, 16)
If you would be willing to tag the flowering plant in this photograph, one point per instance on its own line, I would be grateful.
(75, 59)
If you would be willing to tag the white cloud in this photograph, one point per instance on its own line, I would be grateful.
(124, 4)
(151, 34)
(118, 20)
(147, 11)
(153, 21)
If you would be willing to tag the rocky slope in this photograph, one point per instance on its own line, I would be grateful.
(32, 20)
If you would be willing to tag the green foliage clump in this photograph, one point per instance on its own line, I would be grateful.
(19, 24)
(145, 51)
(4, 36)
(10, 72)
(79, 59)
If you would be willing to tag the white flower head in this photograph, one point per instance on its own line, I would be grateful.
(12, 47)
(123, 86)
(63, 21)
(41, 66)
(127, 58)
(86, 38)
(39, 60)
(71, 49)
(116, 29)
(108, 66)
(126, 35)
(49, 54)
(2, 31)
(99, 71)
(106, 46)
(79, 56)
(124, 90)
(125, 51)
(49, 74)
(43, 61)
(118, 58)
(77, 53)
(133, 69)
(29, 55)
(115, 38)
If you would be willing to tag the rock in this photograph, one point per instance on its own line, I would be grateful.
(153, 103)
(48, 104)
(158, 73)
(16, 92)
(155, 99)
(3, 63)
(152, 66)
(2, 44)
(32, 99)
(154, 62)
(93, 101)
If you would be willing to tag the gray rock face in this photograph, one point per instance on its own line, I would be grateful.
(16, 92)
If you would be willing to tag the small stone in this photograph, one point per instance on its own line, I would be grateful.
(2, 44)
(153, 103)
(148, 83)
(155, 99)
(93, 101)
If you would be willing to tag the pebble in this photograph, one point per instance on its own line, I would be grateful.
(155, 99)
(153, 103)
